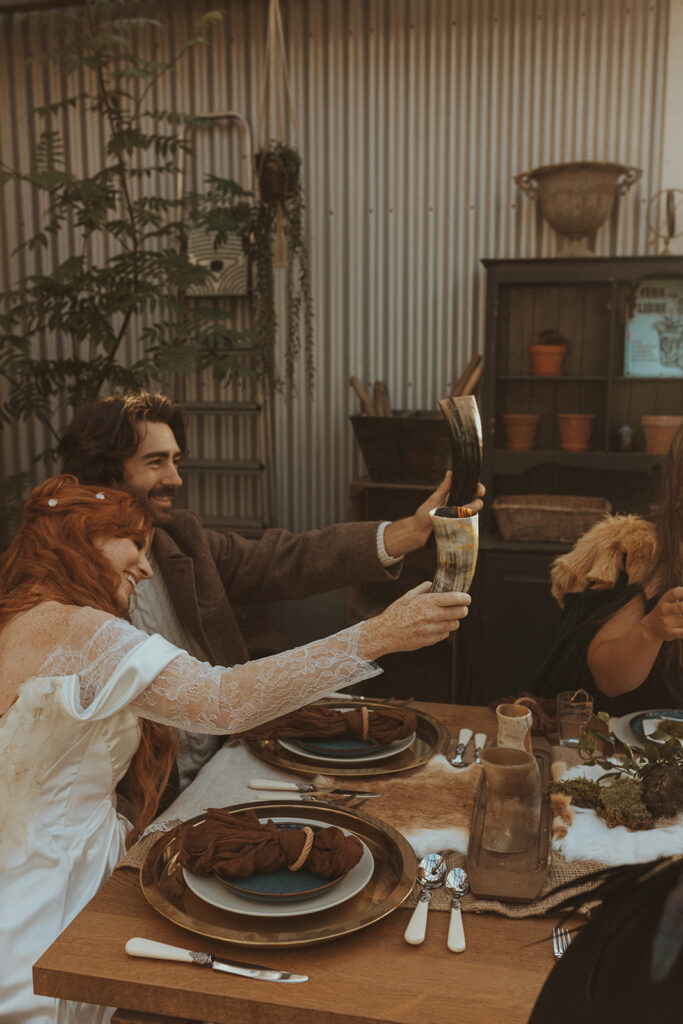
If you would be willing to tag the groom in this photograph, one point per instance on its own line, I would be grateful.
(138, 441)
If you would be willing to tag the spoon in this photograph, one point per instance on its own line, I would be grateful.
(430, 874)
(456, 886)
(464, 738)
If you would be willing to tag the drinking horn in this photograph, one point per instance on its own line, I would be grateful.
(465, 437)
(457, 544)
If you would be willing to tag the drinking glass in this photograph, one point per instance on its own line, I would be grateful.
(574, 713)
(513, 800)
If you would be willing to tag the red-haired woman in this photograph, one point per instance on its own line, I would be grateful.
(82, 693)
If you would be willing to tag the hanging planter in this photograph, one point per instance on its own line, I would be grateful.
(277, 171)
(274, 240)
(274, 237)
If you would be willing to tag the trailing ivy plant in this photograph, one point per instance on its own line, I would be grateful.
(277, 220)
(125, 209)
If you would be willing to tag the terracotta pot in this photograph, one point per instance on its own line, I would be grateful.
(520, 430)
(659, 432)
(577, 198)
(546, 360)
(575, 430)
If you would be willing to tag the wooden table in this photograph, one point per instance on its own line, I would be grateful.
(370, 976)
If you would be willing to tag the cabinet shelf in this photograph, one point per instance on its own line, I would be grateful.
(512, 462)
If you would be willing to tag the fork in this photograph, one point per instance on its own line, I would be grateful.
(561, 940)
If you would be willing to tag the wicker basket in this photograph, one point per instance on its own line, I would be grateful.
(547, 517)
(408, 447)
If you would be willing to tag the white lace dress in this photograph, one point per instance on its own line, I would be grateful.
(69, 737)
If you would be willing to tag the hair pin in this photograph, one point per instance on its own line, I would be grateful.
(100, 496)
(52, 502)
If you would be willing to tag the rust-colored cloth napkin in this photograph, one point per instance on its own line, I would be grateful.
(383, 726)
(238, 845)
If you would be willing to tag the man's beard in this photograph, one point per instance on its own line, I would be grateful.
(144, 498)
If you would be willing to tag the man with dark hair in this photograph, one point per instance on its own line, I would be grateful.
(137, 441)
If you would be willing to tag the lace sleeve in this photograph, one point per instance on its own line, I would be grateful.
(194, 695)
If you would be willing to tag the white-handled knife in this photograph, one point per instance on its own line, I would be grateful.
(479, 744)
(162, 951)
(282, 785)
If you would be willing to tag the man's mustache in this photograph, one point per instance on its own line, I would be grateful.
(162, 492)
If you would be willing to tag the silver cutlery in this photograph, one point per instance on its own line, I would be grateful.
(457, 885)
(464, 737)
(479, 744)
(282, 785)
(431, 872)
(561, 940)
(162, 951)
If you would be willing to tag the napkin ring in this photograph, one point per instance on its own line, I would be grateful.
(306, 849)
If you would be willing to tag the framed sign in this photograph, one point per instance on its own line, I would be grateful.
(654, 330)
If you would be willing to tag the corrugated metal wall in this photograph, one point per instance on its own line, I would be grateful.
(413, 116)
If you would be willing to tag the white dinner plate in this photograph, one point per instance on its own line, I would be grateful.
(390, 750)
(621, 727)
(212, 891)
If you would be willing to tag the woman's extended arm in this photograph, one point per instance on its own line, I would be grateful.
(623, 651)
(197, 696)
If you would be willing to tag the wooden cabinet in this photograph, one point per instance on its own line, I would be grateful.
(588, 301)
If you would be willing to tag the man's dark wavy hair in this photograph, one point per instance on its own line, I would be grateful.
(103, 434)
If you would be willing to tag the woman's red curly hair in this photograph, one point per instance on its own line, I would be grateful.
(53, 557)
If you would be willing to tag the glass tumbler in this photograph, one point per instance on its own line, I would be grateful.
(513, 800)
(574, 715)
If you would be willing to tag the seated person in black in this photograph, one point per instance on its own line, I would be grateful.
(621, 586)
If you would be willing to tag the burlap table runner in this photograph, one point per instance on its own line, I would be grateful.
(434, 793)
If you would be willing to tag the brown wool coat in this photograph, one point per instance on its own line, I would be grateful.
(207, 572)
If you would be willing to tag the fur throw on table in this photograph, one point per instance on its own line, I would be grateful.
(597, 558)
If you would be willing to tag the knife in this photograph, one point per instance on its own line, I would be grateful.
(161, 951)
(305, 787)
(479, 744)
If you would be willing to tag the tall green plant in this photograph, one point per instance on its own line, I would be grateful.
(127, 271)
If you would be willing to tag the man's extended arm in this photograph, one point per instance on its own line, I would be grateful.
(409, 534)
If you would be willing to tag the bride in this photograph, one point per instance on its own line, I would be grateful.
(83, 694)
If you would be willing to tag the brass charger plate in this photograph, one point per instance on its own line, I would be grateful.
(431, 737)
(395, 868)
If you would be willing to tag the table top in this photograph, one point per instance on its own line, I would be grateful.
(369, 976)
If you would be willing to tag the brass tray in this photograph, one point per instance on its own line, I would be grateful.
(511, 877)
(163, 886)
(431, 737)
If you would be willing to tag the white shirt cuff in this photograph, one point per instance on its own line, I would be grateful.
(385, 558)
